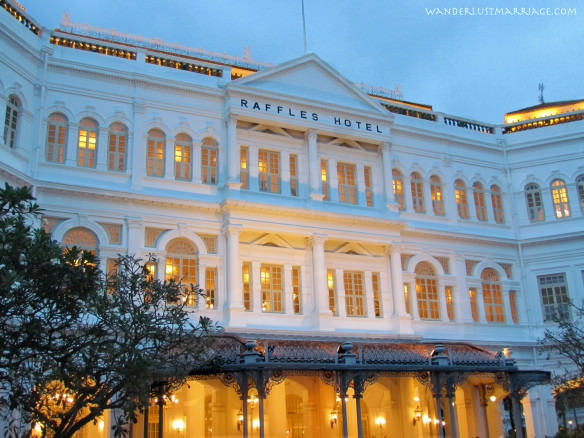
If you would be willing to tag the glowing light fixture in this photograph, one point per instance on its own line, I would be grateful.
(178, 425)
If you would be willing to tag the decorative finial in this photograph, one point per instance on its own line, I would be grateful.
(540, 87)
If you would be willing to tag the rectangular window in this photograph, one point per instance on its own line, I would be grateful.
(474, 308)
(368, 186)
(269, 171)
(398, 189)
(271, 284)
(324, 179)
(449, 302)
(353, 281)
(246, 283)
(376, 294)
(493, 301)
(182, 161)
(244, 168)
(296, 291)
(347, 183)
(155, 155)
(116, 149)
(208, 163)
(554, 296)
(210, 278)
(56, 138)
(153, 421)
(427, 295)
(332, 291)
(407, 297)
(513, 306)
(87, 147)
(293, 175)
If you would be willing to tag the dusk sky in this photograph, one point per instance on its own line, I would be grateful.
(473, 66)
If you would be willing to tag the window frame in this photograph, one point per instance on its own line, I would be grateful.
(461, 197)
(293, 161)
(436, 194)
(244, 167)
(534, 202)
(497, 204)
(271, 288)
(367, 176)
(88, 135)
(155, 153)
(58, 130)
(478, 192)
(427, 292)
(117, 151)
(269, 171)
(580, 190)
(560, 198)
(183, 157)
(209, 161)
(397, 182)
(417, 192)
(492, 290)
(347, 182)
(559, 307)
(324, 179)
(11, 121)
(353, 282)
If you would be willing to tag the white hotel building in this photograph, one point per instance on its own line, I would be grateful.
(315, 213)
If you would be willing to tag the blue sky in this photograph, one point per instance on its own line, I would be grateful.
(471, 66)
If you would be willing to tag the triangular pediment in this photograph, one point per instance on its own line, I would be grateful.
(270, 239)
(352, 248)
(310, 78)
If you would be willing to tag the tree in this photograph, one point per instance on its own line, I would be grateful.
(75, 342)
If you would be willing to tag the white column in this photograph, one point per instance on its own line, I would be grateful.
(370, 300)
(481, 305)
(429, 209)
(462, 310)
(414, 300)
(134, 235)
(507, 305)
(232, 152)
(340, 283)
(288, 300)
(102, 148)
(196, 162)
(387, 176)
(442, 303)
(137, 146)
(409, 203)
(234, 297)
(333, 181)
(319, 276)
(71, 156)
(256, 287)
(397, 284)
(313, 165)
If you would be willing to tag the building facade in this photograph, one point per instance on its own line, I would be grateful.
(315, 213)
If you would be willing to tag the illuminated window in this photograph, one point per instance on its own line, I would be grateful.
(398, 188)
(57, 129)
(513, 306)
(368, 187)
(324, 179)
(461, 198)
(554, 297)
(269, 171)
(246, 280)
(181, 265)
(474, 308)
(271, 284)
(11, 120)
(209, 161)
(296, 291)
(417, 186)
(427, 292)
(449, 302)
(183, 163)
(82, 238)
(332, 291)
(560, 198)
(293, 175)
(580, 186)
(479, 200)
(436, 193)
(407, 297)
(497, 203)
(492, 296)
(210, 279)
(117, 147)
(534, 203)
(151, 270)
(376, 294)
(353, 281)
(87, 143)
(244, 167)
(346, 182)
(156, 144)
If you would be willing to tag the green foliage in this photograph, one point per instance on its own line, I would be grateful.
(75, 342)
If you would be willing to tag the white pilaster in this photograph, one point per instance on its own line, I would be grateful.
(340, 283)
(370, 299)
(288, 300)
(102, 148)
(462, 309)
(313, 164)
(234, 296)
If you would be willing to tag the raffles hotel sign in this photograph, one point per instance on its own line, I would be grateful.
(303, 114)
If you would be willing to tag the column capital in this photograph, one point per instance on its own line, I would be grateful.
(311, 134)
(317, 239)
(232, 229)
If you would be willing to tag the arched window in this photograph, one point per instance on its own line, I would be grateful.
(479, 200)
(56, 146)
(117, 147)
(181, 265)
(11, 120)
(497, 203)
(580, 186)
(87, 143)
(183, 163)
(209, 161)
(436, 192)
(534, 203)
(560, 198)
(492, 296)
(398, 189)
(82, 238)
(156, 144)
(417, 186)
(427, 291)
(461, 198)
